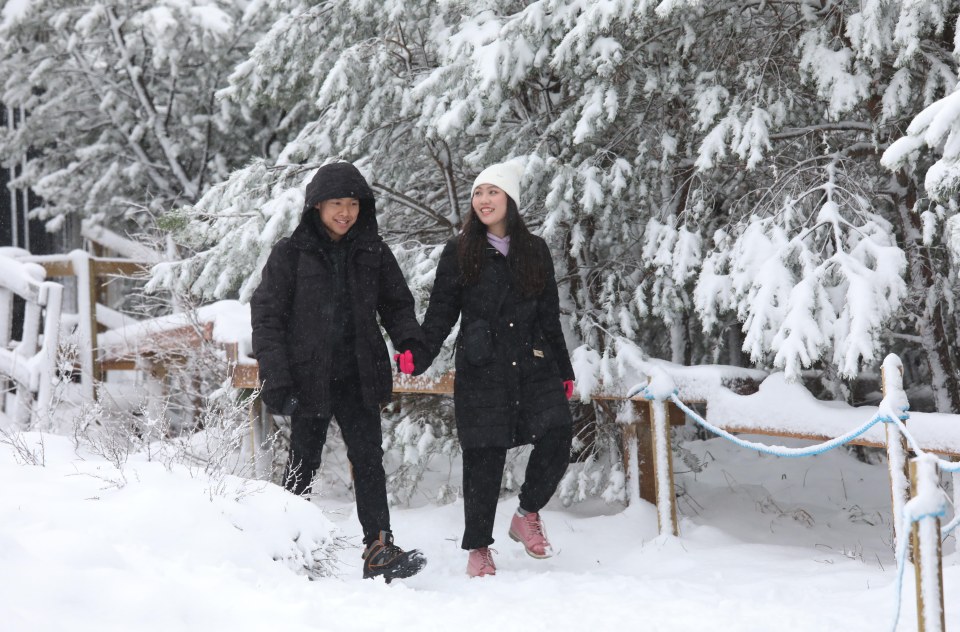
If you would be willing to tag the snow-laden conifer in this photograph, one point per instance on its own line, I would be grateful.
(707, 175)
(121, 122)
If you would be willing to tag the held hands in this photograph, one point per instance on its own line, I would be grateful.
(404, 362)
(568, 388)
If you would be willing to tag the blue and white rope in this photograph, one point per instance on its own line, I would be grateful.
(901, 564)
(813, 450)
(908, 518)
(948, 528)
(820, 448)
(943, 464)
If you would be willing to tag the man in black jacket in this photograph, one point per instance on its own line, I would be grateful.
(320, 350)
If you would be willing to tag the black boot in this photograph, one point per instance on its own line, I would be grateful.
(383, 557)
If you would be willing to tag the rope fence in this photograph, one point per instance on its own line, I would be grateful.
(921, 513)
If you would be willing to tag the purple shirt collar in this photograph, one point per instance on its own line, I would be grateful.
(502, 244)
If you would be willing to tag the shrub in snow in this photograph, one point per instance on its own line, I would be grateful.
(420, 451)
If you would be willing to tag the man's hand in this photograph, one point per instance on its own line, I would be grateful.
(280, 401)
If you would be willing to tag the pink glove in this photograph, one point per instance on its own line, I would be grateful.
(404, 361)
(568, 388)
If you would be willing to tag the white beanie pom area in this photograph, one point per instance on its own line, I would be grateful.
(505, 176)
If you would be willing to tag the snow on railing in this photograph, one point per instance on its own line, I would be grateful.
(89, 272)
(30, 363)
(123, 246)
(922, 512)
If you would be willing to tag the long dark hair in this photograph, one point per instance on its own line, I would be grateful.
(529, 274)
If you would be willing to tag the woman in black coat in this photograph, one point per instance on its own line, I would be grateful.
(320, 350)
(513, 372)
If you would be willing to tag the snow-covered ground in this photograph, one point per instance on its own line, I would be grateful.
(767, 544)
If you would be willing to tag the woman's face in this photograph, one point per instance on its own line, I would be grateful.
(338, 215)
(490, 205)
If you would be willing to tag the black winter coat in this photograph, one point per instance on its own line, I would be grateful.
(300, 338)
(511, 358)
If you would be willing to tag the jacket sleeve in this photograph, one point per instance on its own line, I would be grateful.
(395, 303)
(548, 313)
(270, 310)
(444, 308)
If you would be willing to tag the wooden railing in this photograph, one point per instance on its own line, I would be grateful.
(92, 274)
(31, 362)
(637, 437)
(246, 376)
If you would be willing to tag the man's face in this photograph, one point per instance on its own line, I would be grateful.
(338, 215)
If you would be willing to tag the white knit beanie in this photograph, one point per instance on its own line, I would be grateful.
(505, 176)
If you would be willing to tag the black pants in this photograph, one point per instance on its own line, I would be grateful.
(362, 434)
(483, 472)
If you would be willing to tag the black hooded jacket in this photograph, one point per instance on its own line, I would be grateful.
(315, 311)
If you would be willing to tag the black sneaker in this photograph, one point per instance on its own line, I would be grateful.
(383, 557)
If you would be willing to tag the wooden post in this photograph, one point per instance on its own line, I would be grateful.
(663, 467)
(6, 330)
(955, 477)
(628, 419)
(87, 315)
(6, 316)
(927, 551)
(637, 450)
(897, 451)
(94, 288)
(23, 400)
(261, 459)
(52, 304)
(648, 471)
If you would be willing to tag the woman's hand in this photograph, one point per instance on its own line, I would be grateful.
(404, 362)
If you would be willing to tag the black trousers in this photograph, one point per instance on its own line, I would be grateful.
(362, 434)
(483, 472)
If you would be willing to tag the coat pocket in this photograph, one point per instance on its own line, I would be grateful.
(478, 342)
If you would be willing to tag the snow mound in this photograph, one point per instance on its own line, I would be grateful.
(136, 528)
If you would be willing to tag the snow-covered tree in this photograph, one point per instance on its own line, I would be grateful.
(924, 162)
(696, 167)
(122, 123)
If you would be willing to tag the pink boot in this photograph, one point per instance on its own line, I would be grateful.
(480, 563)
(528, 530)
